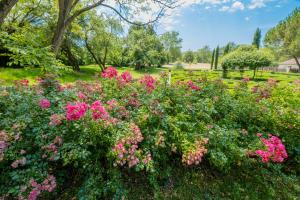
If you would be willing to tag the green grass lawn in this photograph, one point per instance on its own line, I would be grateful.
(87, 73)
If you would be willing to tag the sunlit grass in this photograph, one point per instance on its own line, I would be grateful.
(88, 73)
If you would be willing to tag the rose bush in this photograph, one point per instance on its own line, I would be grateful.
(85, 137)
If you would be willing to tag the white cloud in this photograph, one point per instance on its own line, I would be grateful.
(237, 6)
(234, 7)
(257, 4)
(247, 18)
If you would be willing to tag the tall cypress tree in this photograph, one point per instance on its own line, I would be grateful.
(212, 60)
(227, 49)
(217, 57)
(257, 38)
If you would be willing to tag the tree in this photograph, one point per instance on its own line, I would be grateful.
(188, 57)
(144, 47)
(217, 57)
(5, 8)
(69, 10)
(257, 38)
(285, 37)
(241, 58)
(172, 44)
(99, 37)
(203, 55)
(213, 59)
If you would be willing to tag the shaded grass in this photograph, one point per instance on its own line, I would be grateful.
(202, 182)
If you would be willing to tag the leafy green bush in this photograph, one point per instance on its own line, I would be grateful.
(86, 139)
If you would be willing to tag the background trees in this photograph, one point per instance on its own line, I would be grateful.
(172, 44)
(245, 57)
(5, 8)
(68, 30)
(257, 38)
(144, 47)
(188, 57)
(203, 55)
(285, 37)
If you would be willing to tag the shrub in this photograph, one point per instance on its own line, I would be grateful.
(88, 137)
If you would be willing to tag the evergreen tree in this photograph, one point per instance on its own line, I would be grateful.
(212, 59)
(257, 38)
(226, 49)
(217, 57)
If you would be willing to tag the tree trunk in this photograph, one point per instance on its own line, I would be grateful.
(71, 58)
(62, 24)
(5, 8)
(254, 73)
(93, 55)
(297, 61)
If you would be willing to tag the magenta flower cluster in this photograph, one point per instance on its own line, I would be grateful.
(126, 149)
(124, 79)
(109, 73)
(194, 156)
(149, 82)
(19, 162)
(44, 103)
(48, 184)
(275, 149)
(56, 119)
(52, 148)
(76, 111)
(98, 111)
(81, 95)
(192, 85)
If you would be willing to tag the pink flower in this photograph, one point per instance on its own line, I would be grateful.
(75, 112)
(98, 111)
(275, 150)
(192, 85)
(81, 95)
(246, 79)
(45, 103)
(48, 184)
(21, 162)
(149, 82)
(56, 120)
(112, 104)
(110, 73)
(258, 134)
(126, 76)
(24, 82)
(34, 194)
(124, 79)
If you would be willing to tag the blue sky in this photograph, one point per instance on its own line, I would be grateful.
(217, 22)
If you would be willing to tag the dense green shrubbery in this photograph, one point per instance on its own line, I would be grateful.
(84, 139)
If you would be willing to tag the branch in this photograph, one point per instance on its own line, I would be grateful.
(170, 5)
(79, 12)
(159, 15)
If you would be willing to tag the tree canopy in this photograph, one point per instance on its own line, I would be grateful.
(285, 37)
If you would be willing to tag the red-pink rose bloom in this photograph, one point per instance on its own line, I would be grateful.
(98, 111)
(56, 119)
(77, 111)
(275, 150)
(81, 95)
(24, 82)
(112, 104)
(110, 73)
(124, 79)
(192, 85)
(149, 82)
(45, 103)
(48, 184)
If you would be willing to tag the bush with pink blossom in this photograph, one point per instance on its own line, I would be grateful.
(95, 138)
